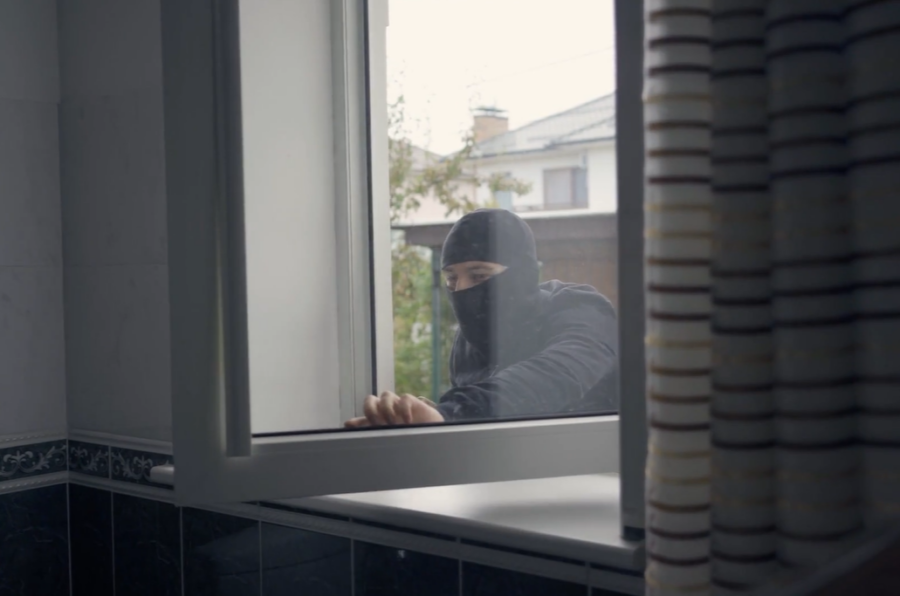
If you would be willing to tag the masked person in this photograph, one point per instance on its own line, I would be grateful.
(523, 348)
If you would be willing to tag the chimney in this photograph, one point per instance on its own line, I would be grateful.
(489, 122)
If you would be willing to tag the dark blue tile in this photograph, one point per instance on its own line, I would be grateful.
(129, 465)
(300, 562)
(89, 458)
(221, 554)
(90, 519)
(33, 460)
(386, 571)
(479, 580)
(146, 547)
(34, 548)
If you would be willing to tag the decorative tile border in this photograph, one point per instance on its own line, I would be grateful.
(130, 465)
(89, 458)
(26, 461)
(116, 463)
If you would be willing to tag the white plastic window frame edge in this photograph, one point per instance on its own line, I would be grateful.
(214, 467)
(629, 28)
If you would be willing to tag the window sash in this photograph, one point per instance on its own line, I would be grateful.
(323, 463)
(629, 27)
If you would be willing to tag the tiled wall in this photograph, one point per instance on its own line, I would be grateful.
(111, 531)
(32, 363)
(27, 462)
(124, 544)
(34, 548)
(114, 217)
(156, 547)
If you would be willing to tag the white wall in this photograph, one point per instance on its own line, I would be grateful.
(113, 196)
(114, 209)
(600, 161)
(32, 358)
(602, 178)
(431, 210)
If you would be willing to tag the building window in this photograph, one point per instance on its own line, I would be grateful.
(565, 187)
(503, 197)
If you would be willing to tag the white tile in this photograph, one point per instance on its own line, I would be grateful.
(28, 50)
(30, 223)
(32, 361)
(117, 344)
(109, 47)
(113, 180)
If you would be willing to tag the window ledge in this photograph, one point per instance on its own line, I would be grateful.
(575, 517)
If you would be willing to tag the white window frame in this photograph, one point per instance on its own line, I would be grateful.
(629, 27)
(217, 459)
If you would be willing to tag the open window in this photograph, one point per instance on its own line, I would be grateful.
(284, 240)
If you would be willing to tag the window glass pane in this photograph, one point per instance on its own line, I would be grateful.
(503, 200)
(290, 239)
(501, 190)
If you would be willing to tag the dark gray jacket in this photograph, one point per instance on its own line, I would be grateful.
(565, 360)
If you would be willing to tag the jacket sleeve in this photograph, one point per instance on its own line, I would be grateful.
(581, 351)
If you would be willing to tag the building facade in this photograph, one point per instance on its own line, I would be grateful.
(568, 162)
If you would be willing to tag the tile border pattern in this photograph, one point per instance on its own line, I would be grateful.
(127, 471)
(116, 463)
(131, 465)
(89, 458)
(28, 461)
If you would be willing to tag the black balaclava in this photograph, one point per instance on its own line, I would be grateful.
(494, 314)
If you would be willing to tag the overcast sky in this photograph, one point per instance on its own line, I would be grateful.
(532, 58)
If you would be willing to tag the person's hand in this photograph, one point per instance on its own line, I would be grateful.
(392, 409)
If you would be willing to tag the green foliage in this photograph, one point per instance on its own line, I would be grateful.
(415, 177)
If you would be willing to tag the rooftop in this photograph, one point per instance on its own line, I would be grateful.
(591, 121)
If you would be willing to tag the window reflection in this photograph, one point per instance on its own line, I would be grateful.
(522, 347)
(502, 200)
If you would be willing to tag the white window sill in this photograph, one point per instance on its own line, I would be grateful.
(575, 517)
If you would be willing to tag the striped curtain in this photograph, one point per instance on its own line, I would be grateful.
(772, 204)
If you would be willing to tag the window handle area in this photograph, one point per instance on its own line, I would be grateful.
(163, 474)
